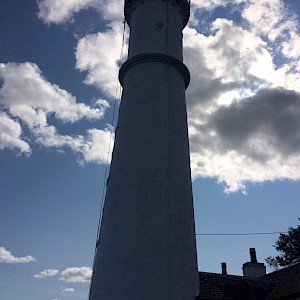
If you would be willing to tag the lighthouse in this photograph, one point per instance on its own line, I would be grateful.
(146, 248)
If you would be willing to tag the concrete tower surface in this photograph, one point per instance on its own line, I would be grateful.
(146, 248)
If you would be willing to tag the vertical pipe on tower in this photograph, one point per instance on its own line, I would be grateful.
(146, 248)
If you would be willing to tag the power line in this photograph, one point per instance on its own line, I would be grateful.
(112, 123)
(237, 234)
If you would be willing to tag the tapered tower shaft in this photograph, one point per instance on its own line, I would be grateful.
(146, 248)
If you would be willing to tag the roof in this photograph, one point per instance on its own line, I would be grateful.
(288, 282)
(218, 286)
(278, 285)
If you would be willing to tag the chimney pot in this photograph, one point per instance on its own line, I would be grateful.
(253, 255)
(224, 268)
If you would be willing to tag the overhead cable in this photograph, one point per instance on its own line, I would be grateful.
(237, 234)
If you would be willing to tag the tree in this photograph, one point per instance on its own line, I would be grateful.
(289, 246)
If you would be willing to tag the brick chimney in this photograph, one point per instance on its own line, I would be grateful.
(253, 268)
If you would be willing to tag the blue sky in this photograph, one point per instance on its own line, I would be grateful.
(58, 81)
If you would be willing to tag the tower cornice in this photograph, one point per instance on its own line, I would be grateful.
(183, 6)
(156, 57)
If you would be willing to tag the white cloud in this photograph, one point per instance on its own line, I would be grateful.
(222, 53)
(291, 46)
(273, 22)
(95, 147)
(233, 74)
(98, 54)
(213, 4)
(11, 135)
(57, 11)
(270, 19)
(46, 273)
(276, 23)
(112, 10)
(68, 290)
(221, 77)
(75, 274)
(243, 128)
(98, 145)
(30, 99)
(7, 257)
(253, 140)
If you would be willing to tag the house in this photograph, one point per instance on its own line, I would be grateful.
(255, 284)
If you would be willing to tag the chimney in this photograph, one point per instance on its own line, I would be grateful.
(253, 268)
(253, 255)
(224, 268)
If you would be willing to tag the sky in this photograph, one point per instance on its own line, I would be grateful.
(59, 63)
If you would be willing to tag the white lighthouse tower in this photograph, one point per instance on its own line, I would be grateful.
(146, 248)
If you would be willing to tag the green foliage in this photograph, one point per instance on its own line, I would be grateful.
(289, 246)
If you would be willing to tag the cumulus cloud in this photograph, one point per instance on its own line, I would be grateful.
(111, 9)
(68, 290)
(29, 96)
(46, 273)
(277, 24)
(96, 146)
(7, 257)
(243, 100)
(57, 11)
(98, 55)
(75, 274)
(270, 19)
(231, 55)
(252, 140)
(29, 99)
(223, 69)
(271, 113)
(213, 4)
(11, 135)
(243, 110)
